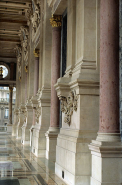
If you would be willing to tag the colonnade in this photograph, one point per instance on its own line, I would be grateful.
(86, 140)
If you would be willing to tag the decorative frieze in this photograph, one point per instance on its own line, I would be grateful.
(68, 105)
(56, 20)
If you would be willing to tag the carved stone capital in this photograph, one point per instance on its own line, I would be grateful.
(56, 20)
(10, 89)
(36, 52)
(26, 69)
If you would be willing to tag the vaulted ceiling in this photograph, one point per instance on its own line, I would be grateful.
(12, 17)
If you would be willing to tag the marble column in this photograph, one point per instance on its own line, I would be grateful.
(9, 126)
(53, 131)
(10, 104)
(106, 150)
(120, 54)
(55, 70)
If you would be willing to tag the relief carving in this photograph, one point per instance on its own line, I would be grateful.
(28, 14)
(35, 18)
(68, 105)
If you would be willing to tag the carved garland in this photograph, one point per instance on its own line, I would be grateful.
(68, 105)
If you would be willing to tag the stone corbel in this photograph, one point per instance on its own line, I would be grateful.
(37, 114)
(68, 105)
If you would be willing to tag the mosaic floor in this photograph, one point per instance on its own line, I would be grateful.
(18, 166)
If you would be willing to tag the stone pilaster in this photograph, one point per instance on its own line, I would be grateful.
(120, 69)
(78, 91)
(28, 121)
(42, 112)
(106, 150)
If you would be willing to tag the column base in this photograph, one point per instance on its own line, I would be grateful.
(106, 153)
(51, 141)
(39, 142)
(25, 139)
(9, 128)
(95, 182)
(73, 158)
(18, 132)
(14, 130)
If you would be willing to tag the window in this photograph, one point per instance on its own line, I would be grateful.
(6, 113)
(7, 97)
(5, 71)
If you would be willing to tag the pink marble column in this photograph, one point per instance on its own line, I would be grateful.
(55, 74)
(36, 75)
(109, 66)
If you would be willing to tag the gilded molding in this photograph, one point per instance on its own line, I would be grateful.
(68, 105)
(20, 78)
(36, 52)
(26, 69)
(56, 20)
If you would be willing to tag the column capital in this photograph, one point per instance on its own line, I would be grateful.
(26, 69)
(20, 78)
(36, 53)
(10, 89)
(56, 20)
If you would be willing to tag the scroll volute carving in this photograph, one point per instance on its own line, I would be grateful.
(68, 105)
